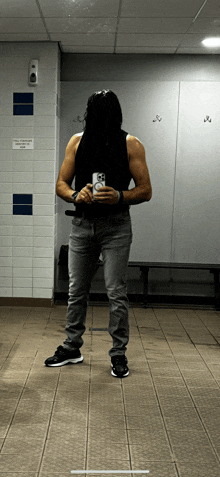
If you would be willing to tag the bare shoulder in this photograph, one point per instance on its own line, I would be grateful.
(74, 142)
(134, 146)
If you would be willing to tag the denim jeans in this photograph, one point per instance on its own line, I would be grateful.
(111, 236)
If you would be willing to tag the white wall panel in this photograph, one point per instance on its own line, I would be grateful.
(196, 232)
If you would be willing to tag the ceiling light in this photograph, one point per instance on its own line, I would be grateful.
(211, 42)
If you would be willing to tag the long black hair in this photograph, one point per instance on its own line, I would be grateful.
(103, 116)
(102, 147)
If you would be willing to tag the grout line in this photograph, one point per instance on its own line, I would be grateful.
(154, 387)
(126, 426)
(49, 422)
(88, 408)
(175, 171)
(117, 25)
(198, 13)
(43, 20)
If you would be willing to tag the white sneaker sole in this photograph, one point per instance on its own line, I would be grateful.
(116, 376)
(72, 361)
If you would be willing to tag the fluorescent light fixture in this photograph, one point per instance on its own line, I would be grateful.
(211, 42)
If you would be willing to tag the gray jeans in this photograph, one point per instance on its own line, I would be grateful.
(112, 236)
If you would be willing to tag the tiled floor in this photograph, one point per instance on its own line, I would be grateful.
(164, 417)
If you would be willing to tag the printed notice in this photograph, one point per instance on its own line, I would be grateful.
(23, 144)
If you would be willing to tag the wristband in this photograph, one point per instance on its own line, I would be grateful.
(121, 198)
(74, 196)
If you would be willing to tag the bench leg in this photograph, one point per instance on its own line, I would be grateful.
(144, 271)
(217, 289)
(216, 273)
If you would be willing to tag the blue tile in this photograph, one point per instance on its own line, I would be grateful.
(23, 98)
(22, 210)
(23, 109)
(22, 199)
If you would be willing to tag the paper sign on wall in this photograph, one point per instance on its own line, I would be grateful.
(23, 144)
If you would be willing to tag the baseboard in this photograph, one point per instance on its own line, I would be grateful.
(32, 302)
(153, 300)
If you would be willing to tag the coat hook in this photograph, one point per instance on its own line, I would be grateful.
(207, 119)
(158, 118)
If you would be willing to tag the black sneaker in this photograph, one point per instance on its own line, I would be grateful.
(119, 366)
(63, 356)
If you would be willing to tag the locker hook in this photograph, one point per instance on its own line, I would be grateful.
(207, 119)
(158, 118)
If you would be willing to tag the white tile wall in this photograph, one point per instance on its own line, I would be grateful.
(27, 242)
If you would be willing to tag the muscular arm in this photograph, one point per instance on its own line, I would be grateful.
(67, 172)
(137, 164)
(138, 167)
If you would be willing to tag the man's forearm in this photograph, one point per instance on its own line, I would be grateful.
(137, 195)
(64, 191)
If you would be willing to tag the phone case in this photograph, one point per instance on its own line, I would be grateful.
(98, 180)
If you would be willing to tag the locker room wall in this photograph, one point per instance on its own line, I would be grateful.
(164, 102)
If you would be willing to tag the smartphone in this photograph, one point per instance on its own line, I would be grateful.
(98, 180)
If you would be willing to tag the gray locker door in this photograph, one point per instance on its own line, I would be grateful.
(196, 234)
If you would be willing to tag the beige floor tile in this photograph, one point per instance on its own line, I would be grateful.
(66, 443)
(196, 470)
(65, 448)
(14, 364)
(144, 421)
(183, 422)
(106, 392)
(4, 430)
(10, 390)
(20, 463)
(154, 448)
(69, 405)
(32, 412)
(98, 462)
(30, 394)
(107, 451)
(15, 378)
(62, 463)
(110, 421)
(23, 431)
(75, 418)
(157, 469)
(25, 446)
(191, 446)
(63, 430)
(107, 435)
(75, 392)
(154, 429)
(99, 406)
(20, 474)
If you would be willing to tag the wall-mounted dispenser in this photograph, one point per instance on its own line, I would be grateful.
(33, 73)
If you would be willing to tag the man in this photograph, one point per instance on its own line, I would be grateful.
(101, 222)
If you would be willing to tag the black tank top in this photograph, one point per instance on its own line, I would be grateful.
(111, 159)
